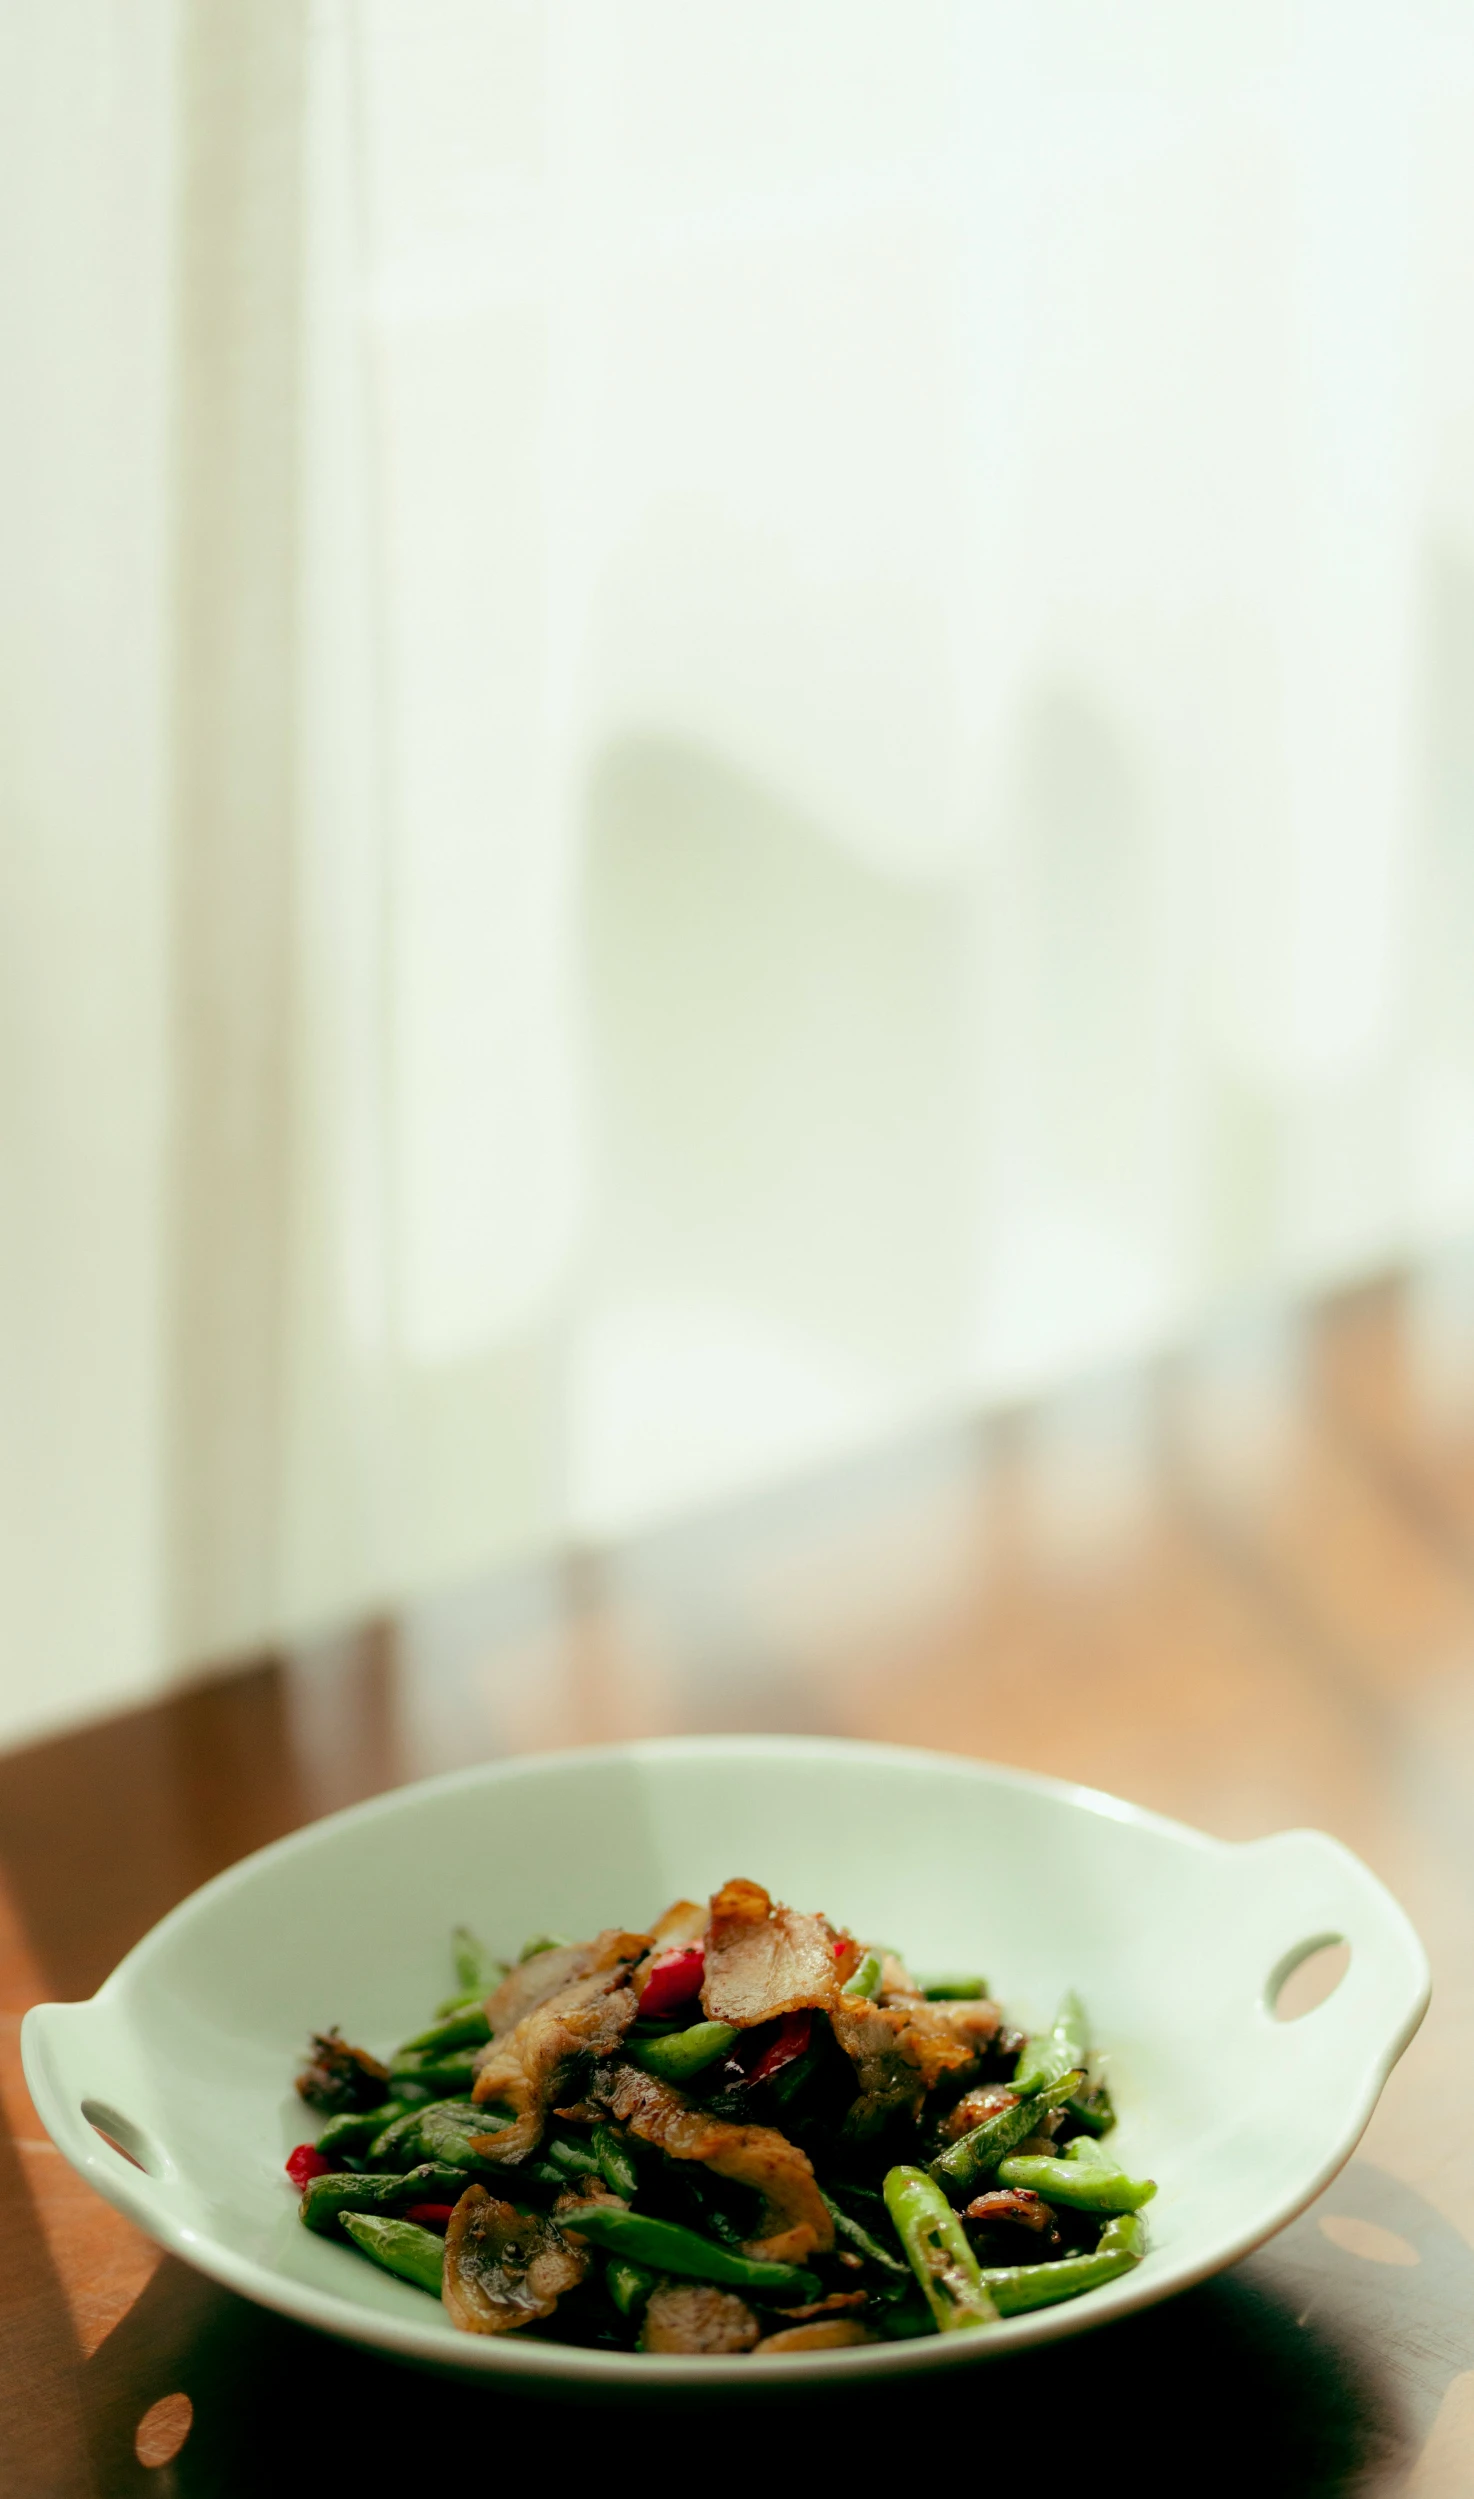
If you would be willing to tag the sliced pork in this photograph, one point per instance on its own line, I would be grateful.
(762, 1961)
(696, 2317)
(794, 2223)
(900, 2051)
(534, 1982)
(504, 2269)
(530, 2067)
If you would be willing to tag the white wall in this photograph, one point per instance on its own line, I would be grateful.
(813, 761)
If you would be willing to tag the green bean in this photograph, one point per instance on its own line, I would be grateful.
(1043, 2060)
(345, 2191)
(615, 2161)
(452, 2130)
(575, 2158)
(938, 2251)
(454, 2031)
(477, 1970)
(445, 2132)
(398, 2145)
(859, 2237)
(401, 2247)
(355, 2129)
(1092, 2108)
(543, 1943)
(908, 2320)
(443, 2073)
(952, 1987)
(669, 2247)
(629, 2286)
(866, 1980)
(1091, 2155)
(1016, 2288)
(958, 2169)
(684, 2052)
(1087, 2178)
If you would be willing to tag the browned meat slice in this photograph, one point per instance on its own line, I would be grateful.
(533, 1982)
(1015, 2204)
(948, 2038)
(973, 2107)
(697, 2317)
(504, 2268)
(834, 2306)
(870, 2035)
(762, 1961)
(896, 1981)
(576, 2200)
(899, 2052)
(337, 2077)
(794, 2222)
(827, 2334)
(528, 2068)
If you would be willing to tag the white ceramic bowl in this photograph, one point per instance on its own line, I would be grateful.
(1176, 1942)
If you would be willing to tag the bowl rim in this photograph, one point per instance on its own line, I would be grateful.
(547, 2363)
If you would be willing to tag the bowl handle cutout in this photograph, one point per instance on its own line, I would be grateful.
(1340, 1978)
(1305, 1977)
(121, 2135)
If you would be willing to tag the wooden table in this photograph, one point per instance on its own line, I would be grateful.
(1238, 1588)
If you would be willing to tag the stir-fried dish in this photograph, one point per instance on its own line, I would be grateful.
(745, 2131)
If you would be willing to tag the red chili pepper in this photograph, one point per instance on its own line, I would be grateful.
(788, 2041)
(673, 1979)
(431, 2216)
(307, 2162)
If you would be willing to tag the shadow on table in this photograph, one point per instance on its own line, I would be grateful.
(1289, 2377)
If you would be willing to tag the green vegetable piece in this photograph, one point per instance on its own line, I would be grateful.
(456, 2030)
(1016, 2288)
(576, 2158)
(397, 2145)
(668, 2247)
(958, 2169)
(346, 2191)
(860, 2239)
(1043, 2061)
(441, 2069)
(684, 2052)
(866, 1980)
(619, 2171)
(1092, 2108)
(445, 2132)
(938, 2251)
(543, 1943)
(477, 1971)
(1087, 2178)
(1092, 2155)
(401, 2247)
(355, 2129)
(629, 2286)
(908, 2320)
(461, 2002)
(953, 1987)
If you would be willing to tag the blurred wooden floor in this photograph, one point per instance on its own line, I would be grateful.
(1238, 1587)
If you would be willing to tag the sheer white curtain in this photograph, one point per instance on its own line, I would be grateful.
(721, 726)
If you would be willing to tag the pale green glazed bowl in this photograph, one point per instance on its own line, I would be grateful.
(1176, 1942)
